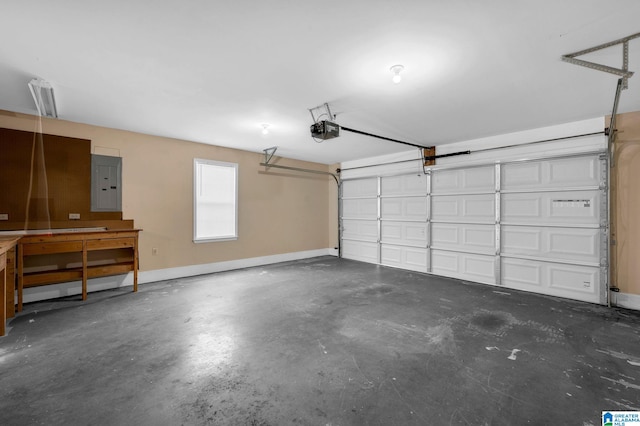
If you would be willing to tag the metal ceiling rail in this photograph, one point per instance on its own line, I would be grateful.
(481, 150)
(622, 72)
(360, 132)
(268, 155)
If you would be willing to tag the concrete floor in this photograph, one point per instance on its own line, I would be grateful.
(319, 342)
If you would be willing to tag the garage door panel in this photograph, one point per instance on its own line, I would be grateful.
(446, 181)
(573, 278)
(475, 179)
(366, 230)
(359, 250)
(521, 240)
(445, 207)
(404, 233)
(404, 185)
(445, 263)
(550, 174)
(482, 237)
(572, 281)
(520, 176)
(464, 208)
(360, 188)
(482, 267)
(569, 207)
(360, 209)
(565, 244)
(578, 171)
(481, 206)
(522, 274)
(569, 244)
(445, 235)
(464, 237)
(466, 266)
(411, 258)
(410, 208)
(521, 207)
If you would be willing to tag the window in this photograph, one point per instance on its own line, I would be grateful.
(215, 200)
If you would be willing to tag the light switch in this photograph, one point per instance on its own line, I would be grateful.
(74, 216)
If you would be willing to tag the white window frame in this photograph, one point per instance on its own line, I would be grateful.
(196, 187)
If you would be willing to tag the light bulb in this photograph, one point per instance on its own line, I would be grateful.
(396, 69)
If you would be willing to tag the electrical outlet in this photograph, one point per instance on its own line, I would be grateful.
(154, 251)
(4, 216)
(74, 216)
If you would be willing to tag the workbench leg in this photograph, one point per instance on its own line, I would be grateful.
(84, 270)
(3, 302)
(20, 262)
(135, 265)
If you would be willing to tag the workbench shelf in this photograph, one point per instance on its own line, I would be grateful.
(108, 241)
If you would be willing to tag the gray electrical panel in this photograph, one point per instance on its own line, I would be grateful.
(106, 183)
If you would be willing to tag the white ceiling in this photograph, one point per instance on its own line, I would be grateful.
(215, 71)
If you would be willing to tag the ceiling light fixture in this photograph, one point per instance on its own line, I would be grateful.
(396, 70)
(42, 93)
(265, 129)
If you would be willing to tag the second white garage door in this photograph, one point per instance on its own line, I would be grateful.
(537, 226)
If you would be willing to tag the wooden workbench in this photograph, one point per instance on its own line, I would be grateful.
(83, 242)
(7, 283)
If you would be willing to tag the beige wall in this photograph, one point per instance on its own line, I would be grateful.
(625, 193)
(279, 211)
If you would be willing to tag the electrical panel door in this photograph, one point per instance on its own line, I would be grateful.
(106, 183)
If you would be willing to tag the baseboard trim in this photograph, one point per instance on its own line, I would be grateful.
(73, 288)
(626, 300)
(209, 268)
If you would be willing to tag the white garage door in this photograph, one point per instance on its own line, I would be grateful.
(538, 226)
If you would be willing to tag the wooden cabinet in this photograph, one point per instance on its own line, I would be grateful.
(84, 244)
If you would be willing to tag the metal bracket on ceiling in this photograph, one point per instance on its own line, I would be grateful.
(268, 154)
(622, 72)
(322, 112)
